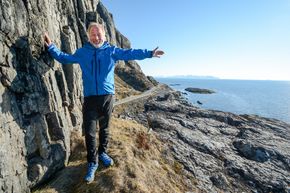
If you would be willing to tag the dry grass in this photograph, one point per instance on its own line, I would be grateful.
(78, 147)
(143, 141)
(139, 166)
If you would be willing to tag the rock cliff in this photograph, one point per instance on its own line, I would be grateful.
(40, 99)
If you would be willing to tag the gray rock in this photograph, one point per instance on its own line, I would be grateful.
(224, 151)
(199, 90)
(151, 79)
(40, 99)
(220, 181)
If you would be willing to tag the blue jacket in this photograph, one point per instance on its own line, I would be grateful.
(97, 64)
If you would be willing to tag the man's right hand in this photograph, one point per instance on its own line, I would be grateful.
(47, 40)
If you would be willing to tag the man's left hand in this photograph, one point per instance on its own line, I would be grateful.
(157, 53)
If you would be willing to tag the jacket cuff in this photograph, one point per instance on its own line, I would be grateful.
(50, 46)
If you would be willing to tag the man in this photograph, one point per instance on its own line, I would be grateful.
(97, 61)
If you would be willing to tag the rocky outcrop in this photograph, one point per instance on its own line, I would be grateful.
(224, 151)
(199, 90)
(40, 99)
(131, 73)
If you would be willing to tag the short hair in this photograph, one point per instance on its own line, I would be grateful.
(95, 24)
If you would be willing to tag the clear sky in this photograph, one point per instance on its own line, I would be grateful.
(231, 39)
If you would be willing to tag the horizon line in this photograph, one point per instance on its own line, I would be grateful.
(212, 77)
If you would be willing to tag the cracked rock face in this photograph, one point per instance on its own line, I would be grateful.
(37, 103)
(41, 100)
(224, 151)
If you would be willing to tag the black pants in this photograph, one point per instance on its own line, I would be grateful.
(96, 109)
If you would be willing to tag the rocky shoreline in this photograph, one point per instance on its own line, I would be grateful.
(223, 151)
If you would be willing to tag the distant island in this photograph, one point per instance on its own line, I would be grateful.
(188, 77)
(174, 84)
(199, 90)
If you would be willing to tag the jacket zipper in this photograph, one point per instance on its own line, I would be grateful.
(96, 74)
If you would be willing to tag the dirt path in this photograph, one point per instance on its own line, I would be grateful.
(144, 94)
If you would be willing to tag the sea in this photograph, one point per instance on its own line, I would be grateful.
(265, 98)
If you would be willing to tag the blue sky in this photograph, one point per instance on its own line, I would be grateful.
(231, 39)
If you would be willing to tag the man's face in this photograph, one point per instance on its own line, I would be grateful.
(96, 36)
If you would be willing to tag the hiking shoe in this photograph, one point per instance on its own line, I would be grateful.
(106, 159)
(92, 167)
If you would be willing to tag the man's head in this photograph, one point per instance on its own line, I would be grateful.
(96, 34)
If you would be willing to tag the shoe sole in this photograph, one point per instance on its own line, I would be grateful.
(88, 182)
(108, 165)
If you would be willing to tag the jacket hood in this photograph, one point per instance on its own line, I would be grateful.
(88, 45)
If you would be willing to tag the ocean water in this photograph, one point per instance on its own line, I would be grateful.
(260, 97)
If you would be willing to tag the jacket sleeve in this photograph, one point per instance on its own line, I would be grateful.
(130, 54)
(62, 57)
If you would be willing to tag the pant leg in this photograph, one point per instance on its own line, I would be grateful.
(104, 122)
(89, 125)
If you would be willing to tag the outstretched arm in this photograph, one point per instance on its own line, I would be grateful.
(135, 54)
(60, 56)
